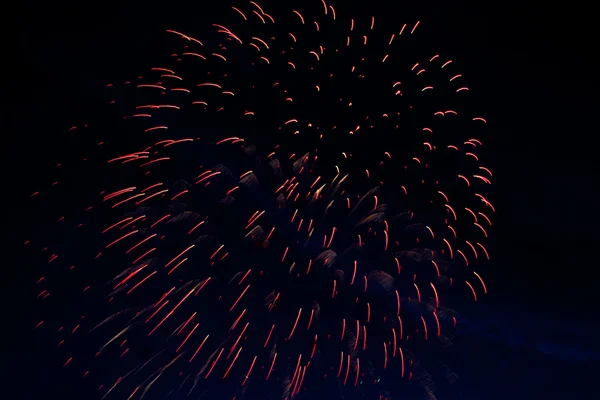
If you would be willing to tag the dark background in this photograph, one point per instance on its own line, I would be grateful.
(534, 61)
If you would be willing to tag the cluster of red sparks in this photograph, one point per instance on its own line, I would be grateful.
(207, 305)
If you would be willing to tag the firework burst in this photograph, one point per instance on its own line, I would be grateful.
(288, 200)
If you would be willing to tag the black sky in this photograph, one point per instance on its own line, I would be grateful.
(535, 62)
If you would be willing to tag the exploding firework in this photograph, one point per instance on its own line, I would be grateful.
(281, 208)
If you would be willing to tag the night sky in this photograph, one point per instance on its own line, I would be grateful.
(534, 62)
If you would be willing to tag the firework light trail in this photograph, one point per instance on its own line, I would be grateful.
(282, 206)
